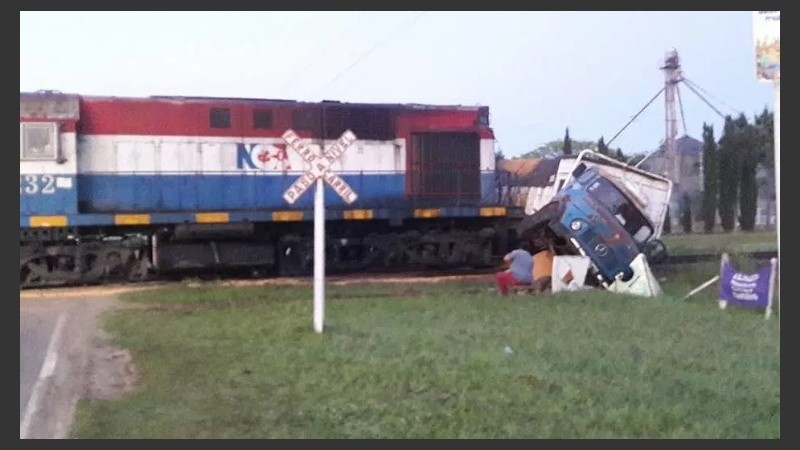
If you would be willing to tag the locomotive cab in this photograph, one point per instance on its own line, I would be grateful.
(47, 156)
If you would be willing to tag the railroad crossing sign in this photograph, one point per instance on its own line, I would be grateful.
(320, 166)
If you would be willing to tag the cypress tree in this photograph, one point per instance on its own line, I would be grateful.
(686, 214)
(710, 178)
(729, 174)
(601, 146)
(567, 148)
(748, 190)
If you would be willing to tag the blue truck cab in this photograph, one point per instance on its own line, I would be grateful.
(598, 220)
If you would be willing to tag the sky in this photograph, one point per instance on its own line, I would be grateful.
(539, 72)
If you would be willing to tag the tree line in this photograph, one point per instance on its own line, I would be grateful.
(568, 146)
(729, 170)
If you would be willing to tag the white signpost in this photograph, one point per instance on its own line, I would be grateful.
(319, 170)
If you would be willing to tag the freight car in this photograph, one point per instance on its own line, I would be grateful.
(120, 187)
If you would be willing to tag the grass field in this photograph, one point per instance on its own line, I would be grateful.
(446, 360)
(738, 242)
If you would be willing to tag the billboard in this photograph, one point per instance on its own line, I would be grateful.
(767, 42)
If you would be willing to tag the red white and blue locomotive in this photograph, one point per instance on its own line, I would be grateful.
(117, 187)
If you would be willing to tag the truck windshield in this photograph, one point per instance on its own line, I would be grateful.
(623, 209)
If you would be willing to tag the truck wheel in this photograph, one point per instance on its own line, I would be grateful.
(626, 275)
(655, 251)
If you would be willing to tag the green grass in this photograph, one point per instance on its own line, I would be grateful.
(738, 242)
(428, 361)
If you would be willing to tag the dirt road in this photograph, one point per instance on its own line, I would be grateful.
(65, 356)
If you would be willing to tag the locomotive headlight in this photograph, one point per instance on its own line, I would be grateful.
(575, 225)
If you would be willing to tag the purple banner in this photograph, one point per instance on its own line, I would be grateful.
(745, 289)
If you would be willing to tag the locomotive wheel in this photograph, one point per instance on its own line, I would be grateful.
(32, 273)
(49, 270)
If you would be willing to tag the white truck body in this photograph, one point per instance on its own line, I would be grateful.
(651, 192)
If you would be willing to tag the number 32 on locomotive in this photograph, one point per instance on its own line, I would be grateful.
(30, 184)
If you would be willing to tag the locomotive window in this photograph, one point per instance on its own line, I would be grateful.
(220, 117)
(366, 122)
(38, 141)
(262, 118)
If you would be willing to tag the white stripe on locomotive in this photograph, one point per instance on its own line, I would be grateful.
(220, 155)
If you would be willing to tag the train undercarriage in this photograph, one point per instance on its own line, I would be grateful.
(74, 256)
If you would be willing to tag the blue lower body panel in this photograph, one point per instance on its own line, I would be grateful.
(198, 192)
(167, 199)
(153, 193)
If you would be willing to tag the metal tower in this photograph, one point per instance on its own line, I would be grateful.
(672, 76)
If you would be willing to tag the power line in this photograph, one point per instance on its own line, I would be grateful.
(737, 111)
(704, 100)
(322, 49)
(372, 49)
(635, 116)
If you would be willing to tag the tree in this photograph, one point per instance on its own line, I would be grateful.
(710, 179)
(729, 173)
(499, 154)
(766, 144)
(765, 124)
(601, 146)
(556, 147)
(741, 148)
(686, 214)
(619, 156)
(567, 148)
(750, 153)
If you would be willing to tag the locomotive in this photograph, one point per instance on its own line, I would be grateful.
(120, 188)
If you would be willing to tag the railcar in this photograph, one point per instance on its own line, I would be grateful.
(123, 187)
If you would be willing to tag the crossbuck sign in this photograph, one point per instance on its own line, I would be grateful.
(319, 170)
(320, 166)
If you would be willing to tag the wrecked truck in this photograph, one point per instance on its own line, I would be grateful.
(611, 213)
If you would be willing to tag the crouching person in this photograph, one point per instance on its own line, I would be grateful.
(520, 269)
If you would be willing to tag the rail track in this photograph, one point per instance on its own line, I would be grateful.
(680, 260)
(416, 273)
(154, 279)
